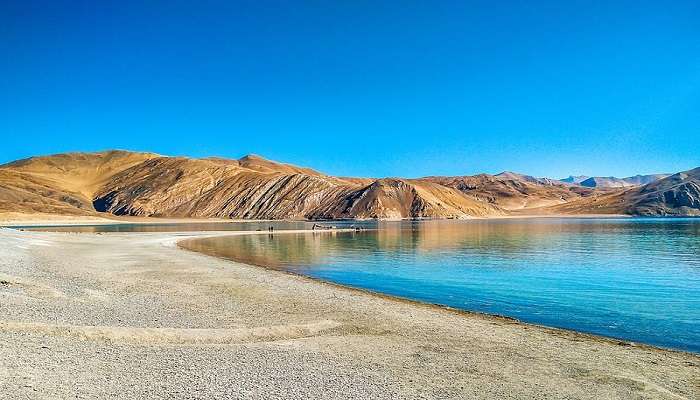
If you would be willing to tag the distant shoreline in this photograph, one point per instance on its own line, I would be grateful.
(62, 220)
(183, 244)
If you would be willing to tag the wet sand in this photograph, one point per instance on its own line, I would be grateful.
(133, 316)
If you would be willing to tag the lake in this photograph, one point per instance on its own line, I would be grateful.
(636, 279)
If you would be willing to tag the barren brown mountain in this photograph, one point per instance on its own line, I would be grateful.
(145, 184)
(184, 187)
(512, 191)
(675, 195)
(62, 183)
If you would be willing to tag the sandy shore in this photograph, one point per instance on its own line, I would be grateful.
(133, 316)
(18, 219)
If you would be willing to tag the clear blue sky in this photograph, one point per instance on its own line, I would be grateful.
(363, 88)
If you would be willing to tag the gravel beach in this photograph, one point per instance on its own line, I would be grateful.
(133, 316)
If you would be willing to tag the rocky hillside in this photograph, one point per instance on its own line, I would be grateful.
(675, 195)
(183, 187)
(397, 198)
(144, 184)
(512, 191)
(63, 183)
(678, 194)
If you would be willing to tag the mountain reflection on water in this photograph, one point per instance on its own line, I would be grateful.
(637, 279)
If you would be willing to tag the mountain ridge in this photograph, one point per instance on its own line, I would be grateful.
(147, 184)
(611, 181)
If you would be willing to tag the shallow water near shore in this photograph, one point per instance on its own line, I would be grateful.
(633, 279)
(636, 279)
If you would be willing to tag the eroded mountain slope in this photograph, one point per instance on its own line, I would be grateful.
(675, 195)
(512, 191)
(186, 187)
(404, 198)
(145, 184)
(678, 194)
(62, 183)
(205, 188)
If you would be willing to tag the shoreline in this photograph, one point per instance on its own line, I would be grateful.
(61, 220)
(181, 244)
(208, 234)
(159, 320)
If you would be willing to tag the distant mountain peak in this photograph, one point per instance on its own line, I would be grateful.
(515, 176)
(251, 157)
(612, 181)
(576, 179)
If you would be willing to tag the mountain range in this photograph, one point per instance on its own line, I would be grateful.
(146, 184)
(611, 181)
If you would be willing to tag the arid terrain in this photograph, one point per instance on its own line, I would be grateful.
(120, 183)
(132, 316)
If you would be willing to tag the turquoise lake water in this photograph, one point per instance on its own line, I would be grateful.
(633, 279)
